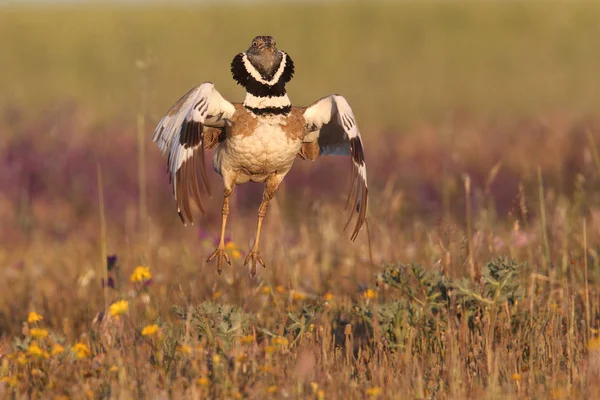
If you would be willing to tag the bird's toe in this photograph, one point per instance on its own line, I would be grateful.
(219, 254)
(253, 258)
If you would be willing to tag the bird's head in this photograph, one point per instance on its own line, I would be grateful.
(261, 62)
(264, 56)
(262, 45)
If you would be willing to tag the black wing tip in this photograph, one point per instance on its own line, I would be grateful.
(361, 192)
(356, 150)
(357, 229)
(181, 217)
(186, 187)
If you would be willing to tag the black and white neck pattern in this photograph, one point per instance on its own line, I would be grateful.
(264, 95)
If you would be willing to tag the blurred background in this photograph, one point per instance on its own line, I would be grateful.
(441, 89)
(481, 130)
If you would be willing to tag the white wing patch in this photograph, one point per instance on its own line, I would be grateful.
(180, 135)
(332, 118)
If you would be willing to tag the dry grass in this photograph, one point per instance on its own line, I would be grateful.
(485, 290)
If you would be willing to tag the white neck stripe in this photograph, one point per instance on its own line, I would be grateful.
(267, 101)
(256, 75)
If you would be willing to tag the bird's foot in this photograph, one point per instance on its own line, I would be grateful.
(220, 254)
(254, 258)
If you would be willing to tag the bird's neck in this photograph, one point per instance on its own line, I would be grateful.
(260, 105)
(265, 94)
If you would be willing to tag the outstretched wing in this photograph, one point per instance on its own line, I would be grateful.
(181, 134)
(332, 121)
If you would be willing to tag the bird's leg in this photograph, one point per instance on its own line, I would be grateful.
(254, 257)
(220, 252)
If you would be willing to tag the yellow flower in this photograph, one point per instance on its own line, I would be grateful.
(594, 344)
(370, 294)
(266, 368)
(328, 296)
(114, 369)
(235, 252)
(57, 349)
(141, 273)
(279, 340)
(516, 377)
(240, 358)
(237, 395)
(9, 380)
(280, 289)
(118, 308)
(265, 290)
(270, 349)
(81, 350)
(298, 295)
(373, 392)
(35, 350)
(203, 381)
(217, 295)
(247, 339)
(321, 394)
(216, 359)
(184, 349)
(38, 333)
(34, 317)
(560, 393)
(272, 389)
(21, 359)
(315, 387)
(150, 330)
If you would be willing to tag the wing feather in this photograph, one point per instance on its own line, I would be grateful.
(338, 134)
(180, 135)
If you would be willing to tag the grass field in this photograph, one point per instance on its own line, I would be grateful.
(482, 275)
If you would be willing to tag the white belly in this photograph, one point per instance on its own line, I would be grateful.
(269, 150)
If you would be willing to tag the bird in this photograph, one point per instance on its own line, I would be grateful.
(257, 140)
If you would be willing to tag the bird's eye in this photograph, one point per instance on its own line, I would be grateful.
(255, 44)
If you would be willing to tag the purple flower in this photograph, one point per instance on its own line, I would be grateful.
(148, 282)
(110, 283)
(203, 234)
(111, 262)
(522, 239)
(217, 239)
(498, 243)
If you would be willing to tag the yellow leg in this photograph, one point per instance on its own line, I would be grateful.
(254, 257)
(220, 252)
